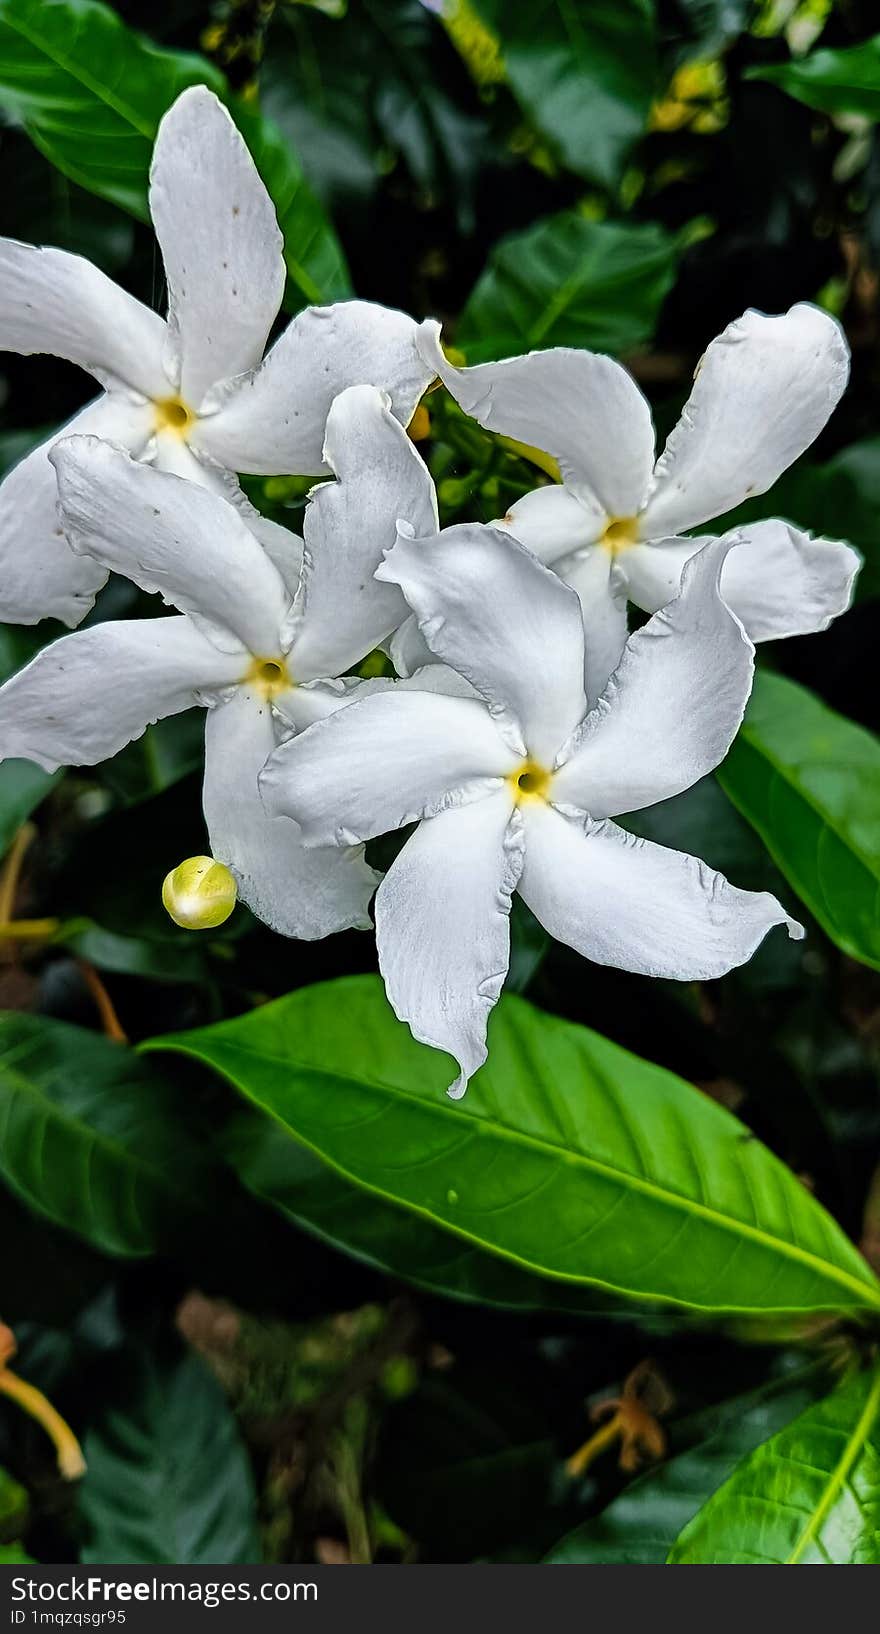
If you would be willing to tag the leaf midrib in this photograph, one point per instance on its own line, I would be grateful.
(840, 1473)
(102, 93)
(823, 1268)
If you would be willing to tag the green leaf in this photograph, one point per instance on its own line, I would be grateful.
(90, 93)
(14, 1554)
(22, 788)
(90, 1137)
(569, 1156)
(13, 1506)
(639, 1527)
(567, 281)
(808, 1497)
(584, 75)
(845, 81)
(318, 1200)
(168, 1479)
(807, 780)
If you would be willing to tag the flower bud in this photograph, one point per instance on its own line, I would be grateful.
(199, 894)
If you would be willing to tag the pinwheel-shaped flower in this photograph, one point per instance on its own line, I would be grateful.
(191, 394)
(515, 786)
(613, 528)
(246, 643)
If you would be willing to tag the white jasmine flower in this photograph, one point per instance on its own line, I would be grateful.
(515, 787)
(247, 642)
(191, 394)
(613, 528)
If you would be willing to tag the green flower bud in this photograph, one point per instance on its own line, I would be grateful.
(199, 894)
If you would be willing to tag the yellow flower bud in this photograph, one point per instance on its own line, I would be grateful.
(199, 894)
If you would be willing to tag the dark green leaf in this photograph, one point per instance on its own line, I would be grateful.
(90, 94)
(13, 1554)
(318, 1200)
(22, 787)
(807, 780)
(639, 1527)
(569, 1156)
(584, 75)
(567, 281)
(90, 1137)
(808, 1497)
(13, 1507)
(168, 1479)
(176, 958)
(846, 81)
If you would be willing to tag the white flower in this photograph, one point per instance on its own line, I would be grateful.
(247, 642)
(190, 395)
(612, 529)
(514, 788)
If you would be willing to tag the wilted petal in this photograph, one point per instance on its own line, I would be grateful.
(171, 536)
(220, 242)
(384, 761)
(342, 611)
(673, 706)
(294, 891)
(58, 303)
(762, 394)
(85, 697)
(489, 609)
(443, 926)
(273, 420)
(581, 407)
(40, 576)
(626, 902)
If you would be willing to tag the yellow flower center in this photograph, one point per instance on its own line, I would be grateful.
(172, 414)
(268, 676)
(620, 532)
(529, 782)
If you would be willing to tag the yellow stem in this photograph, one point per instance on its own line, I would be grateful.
(71, 1463)
(12, 869)
(585, 1455)
(27, 930)
(103, 1003)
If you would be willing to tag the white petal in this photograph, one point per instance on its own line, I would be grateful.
(273, 421)
(672, 708)
(384, 761)
(601, 590)
(220, 241)
(58, 303)
(40, 576)
(553, 523)
(626, 902)
(762, 394)
(171, 536)
(84, 697)
(443, 926)
(282, 547)
(408, 649)
(653, 570)
(294, 891)
(781, 582)
(342, 612)
(581, 407)
(488, 608)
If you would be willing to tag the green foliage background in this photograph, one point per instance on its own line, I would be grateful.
(295, 1304)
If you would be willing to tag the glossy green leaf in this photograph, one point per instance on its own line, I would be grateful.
(89, 1136)
(317, 1199)
(90, 93)
(567, 281)
(808, 779)
(168, 1481)
(568, 1155)
(584, 75)
(808, 1497)
(639, 1527)
(845, 81)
